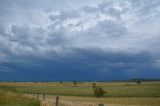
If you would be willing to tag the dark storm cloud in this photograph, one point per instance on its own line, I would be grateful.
(98, 65)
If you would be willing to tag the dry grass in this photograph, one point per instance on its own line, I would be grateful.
(90, 101)
(12, 99)
(114, 89)
(119, 93)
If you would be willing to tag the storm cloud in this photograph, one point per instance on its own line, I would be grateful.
(100, 38)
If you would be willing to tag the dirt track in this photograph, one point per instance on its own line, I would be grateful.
(88, 101)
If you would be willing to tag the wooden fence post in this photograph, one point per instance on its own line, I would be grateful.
(57, 100)
(43, 96)
(37, 95)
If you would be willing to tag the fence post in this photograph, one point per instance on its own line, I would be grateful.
(100, 104)
(57, 100)
(43, 96)
(37, 95)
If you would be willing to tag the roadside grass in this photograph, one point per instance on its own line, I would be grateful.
(9, 98)
(115, 101)
(92, 101)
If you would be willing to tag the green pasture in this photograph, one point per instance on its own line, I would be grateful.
(113, 89)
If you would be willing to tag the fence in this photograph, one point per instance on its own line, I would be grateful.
(58, 102)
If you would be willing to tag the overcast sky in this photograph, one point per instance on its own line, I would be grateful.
(79, 39)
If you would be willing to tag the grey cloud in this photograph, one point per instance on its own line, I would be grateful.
(106, 4)
(2, 30)
(147, 9)
(113, 35)
(112, 28)
(78, 28)
(114, 12)
(107, 8)
(26, 36)
(58, 37)
(64, 15)
(40, 4)
(90, 9)
(104, 31)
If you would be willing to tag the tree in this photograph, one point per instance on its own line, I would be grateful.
(139, 82)
(61, 82)
(75, 83)
(99, 91)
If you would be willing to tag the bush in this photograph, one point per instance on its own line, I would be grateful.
(99, 91)
(75, 83)
(139, 82)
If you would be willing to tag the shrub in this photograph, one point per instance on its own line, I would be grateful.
(75, 83)
(99, 91)
(139, 82)
(61, 82)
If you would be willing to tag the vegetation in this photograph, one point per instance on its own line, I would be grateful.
(10, 98)
(139, 82)
(88, 101)
(75, 83)
(99, 91)
(118, 93)
(94, 85)
(114, 89)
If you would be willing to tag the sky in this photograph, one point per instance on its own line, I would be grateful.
(66, 40)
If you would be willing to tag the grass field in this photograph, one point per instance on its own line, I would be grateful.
(9, 98)
(116, 89)
(81, 94)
